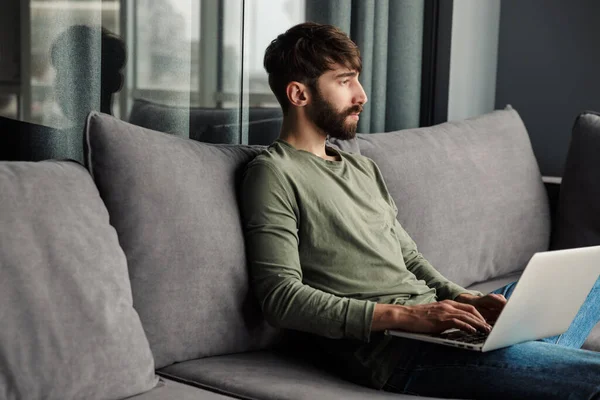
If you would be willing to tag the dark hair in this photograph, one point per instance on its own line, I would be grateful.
(305, 52)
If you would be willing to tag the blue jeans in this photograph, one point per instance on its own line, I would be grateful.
(550, 368)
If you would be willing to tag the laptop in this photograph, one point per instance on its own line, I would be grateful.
(550, 292)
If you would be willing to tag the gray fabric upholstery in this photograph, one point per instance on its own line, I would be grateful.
(495, 283)
(69, 330)
(469, 193)
(173, 204)
(578, 217)
(350, 146)
(267, 375)
(168, 389)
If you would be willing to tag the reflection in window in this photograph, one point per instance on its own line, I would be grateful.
(48, 20)
(183, 72)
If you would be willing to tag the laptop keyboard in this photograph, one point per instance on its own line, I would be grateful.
(464, 337)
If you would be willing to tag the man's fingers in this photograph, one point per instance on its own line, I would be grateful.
(476, 323)
(469, 324)
(467, 308)
(462, 325)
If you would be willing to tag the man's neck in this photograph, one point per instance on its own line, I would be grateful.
(302, 134)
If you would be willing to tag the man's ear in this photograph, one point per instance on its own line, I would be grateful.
(297, 94)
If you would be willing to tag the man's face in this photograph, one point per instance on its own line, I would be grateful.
(336, 102)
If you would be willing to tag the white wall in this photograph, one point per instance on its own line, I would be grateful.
(473, 58)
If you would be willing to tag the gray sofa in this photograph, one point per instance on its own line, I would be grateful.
(136, 265)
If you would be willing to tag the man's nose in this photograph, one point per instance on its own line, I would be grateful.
(361, 96)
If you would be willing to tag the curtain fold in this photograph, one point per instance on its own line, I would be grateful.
(389, 34)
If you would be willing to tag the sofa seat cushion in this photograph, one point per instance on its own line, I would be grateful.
(269, 375)
(69, 329)
(168, 389)
(173, 203)
(469, 193)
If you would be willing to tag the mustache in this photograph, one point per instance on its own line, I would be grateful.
(354, 110)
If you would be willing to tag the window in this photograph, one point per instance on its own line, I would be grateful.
(185, 57)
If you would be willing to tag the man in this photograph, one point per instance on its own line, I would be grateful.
(329, 259)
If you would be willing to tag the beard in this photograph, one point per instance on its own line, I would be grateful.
(331, 121)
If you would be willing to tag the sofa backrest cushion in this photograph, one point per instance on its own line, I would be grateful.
(69, 329)
(350, 146)
(173, 203)
(469, 193)
(578, 214)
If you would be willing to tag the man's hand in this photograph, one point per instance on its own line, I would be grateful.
(429, 318)
(489, 306)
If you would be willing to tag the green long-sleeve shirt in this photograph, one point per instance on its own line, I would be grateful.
(324, 246)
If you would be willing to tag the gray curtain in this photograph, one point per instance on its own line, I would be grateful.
(389, 34)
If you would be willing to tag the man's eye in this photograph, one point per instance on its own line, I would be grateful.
(345, 81)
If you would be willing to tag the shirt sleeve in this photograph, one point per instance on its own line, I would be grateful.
(270, 218)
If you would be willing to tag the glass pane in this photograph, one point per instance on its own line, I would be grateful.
(187, 68)
(50, 21)
(264, 20)
(267, 19)
(167, 38)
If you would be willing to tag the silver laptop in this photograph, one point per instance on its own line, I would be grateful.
(544, 302)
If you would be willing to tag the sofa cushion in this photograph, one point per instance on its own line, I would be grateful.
(349, 146)
(495, 283)
(269, 375)
(173, 204)
(69, 330)
(469, 193)
(578, 215)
